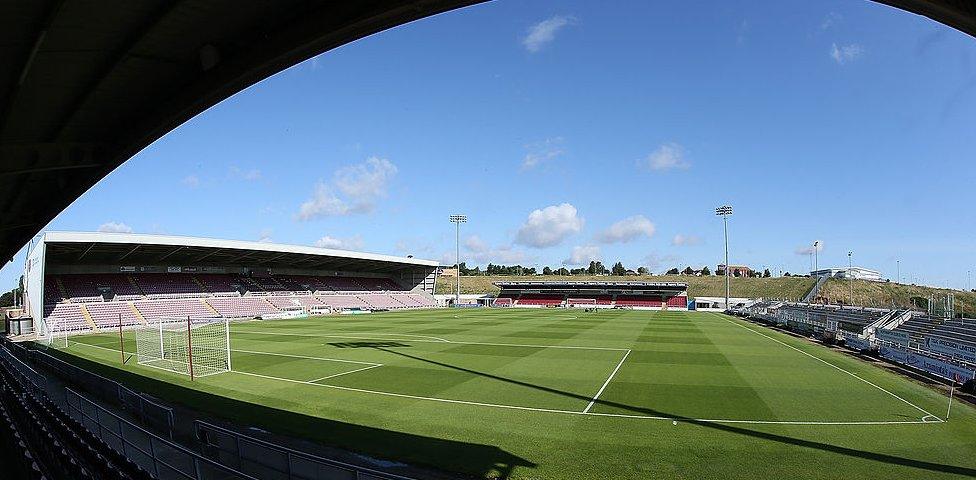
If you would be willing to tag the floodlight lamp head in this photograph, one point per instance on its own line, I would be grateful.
(458, 218)
(724, 210)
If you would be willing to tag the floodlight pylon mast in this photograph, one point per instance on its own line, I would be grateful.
(457, 220)
(725, 211)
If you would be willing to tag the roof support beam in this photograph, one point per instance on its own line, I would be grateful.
(207, 255)
(90, 246)
(164, 257)
(130, 252)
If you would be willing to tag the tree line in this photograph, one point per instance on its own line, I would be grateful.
(594, 268)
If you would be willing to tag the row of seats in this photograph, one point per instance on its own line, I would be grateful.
(81, 288)
(74, 316)
(54, 444)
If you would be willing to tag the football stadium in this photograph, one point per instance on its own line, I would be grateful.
(134, 353)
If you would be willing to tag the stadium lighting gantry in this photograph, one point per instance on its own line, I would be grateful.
(457, 219)
(725, 211)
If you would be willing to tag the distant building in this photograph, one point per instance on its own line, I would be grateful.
(858, 273)
(740, 270)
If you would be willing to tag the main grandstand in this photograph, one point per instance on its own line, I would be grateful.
(637, 295)
(87, 281)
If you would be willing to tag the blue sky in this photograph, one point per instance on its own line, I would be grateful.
(569, 131)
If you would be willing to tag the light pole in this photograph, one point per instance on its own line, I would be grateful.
(850, 274)
(816, 255)
(457, 220)
(898, 270)
(725, 211)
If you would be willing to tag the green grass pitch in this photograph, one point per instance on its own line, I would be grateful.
(521, 393)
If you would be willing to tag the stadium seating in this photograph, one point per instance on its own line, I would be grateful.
(638, 301)
(208, 295)
(176, 308)
(540, 299)
(343, 301)
(67, 315)
(108, 314)
(242, 307)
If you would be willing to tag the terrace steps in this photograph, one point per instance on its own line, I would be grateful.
(88, 318)
(210, 307)
(137, 313)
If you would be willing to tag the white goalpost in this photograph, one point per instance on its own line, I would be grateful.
(54, 335)
(194, 347)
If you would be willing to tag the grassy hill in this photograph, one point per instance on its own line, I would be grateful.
(713, 286)
(881, 294)
(872, 294)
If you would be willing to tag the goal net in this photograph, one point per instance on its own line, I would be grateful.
(53, 335)
(194, 347)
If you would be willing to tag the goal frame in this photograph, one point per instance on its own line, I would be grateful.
(174, 345)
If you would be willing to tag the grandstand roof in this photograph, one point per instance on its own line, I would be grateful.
(90, 248)
(85, 85)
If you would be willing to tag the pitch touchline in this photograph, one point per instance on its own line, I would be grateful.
(576, 412)
(835, 366)
(366, 336)
(600, 391)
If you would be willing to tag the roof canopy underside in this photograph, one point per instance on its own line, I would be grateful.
(138, 250)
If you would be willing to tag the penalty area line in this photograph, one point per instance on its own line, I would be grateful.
(599, 392)
(345, 373)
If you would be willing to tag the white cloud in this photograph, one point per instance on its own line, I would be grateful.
(249, 175)
(191, 181)
(669, 156)
(504, 254)
(808, 249)
(350, 243)
(627, 230)
(654, 261)
(360, 187)
(265, 236)
(680, 240)
(831, 20)
(114, 227)
(846, 53)
(542, 152)
(475, 244)
(583, 255)
(545, 31)
(549, 226)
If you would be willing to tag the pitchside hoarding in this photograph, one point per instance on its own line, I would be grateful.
(928, 364)
(857, 343)
(893, 336)
(966, 353)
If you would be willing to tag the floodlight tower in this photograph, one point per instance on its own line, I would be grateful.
(816, 255)
(850, 274)
(457, 220)
(725, 211)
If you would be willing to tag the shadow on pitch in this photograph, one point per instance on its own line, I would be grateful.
(367, 344)
(826, 447)
(430, 457)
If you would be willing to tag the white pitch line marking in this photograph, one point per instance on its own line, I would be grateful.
(928, 414)
(599, 392)
(576, 412)
(345, 373)
(371, 335)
